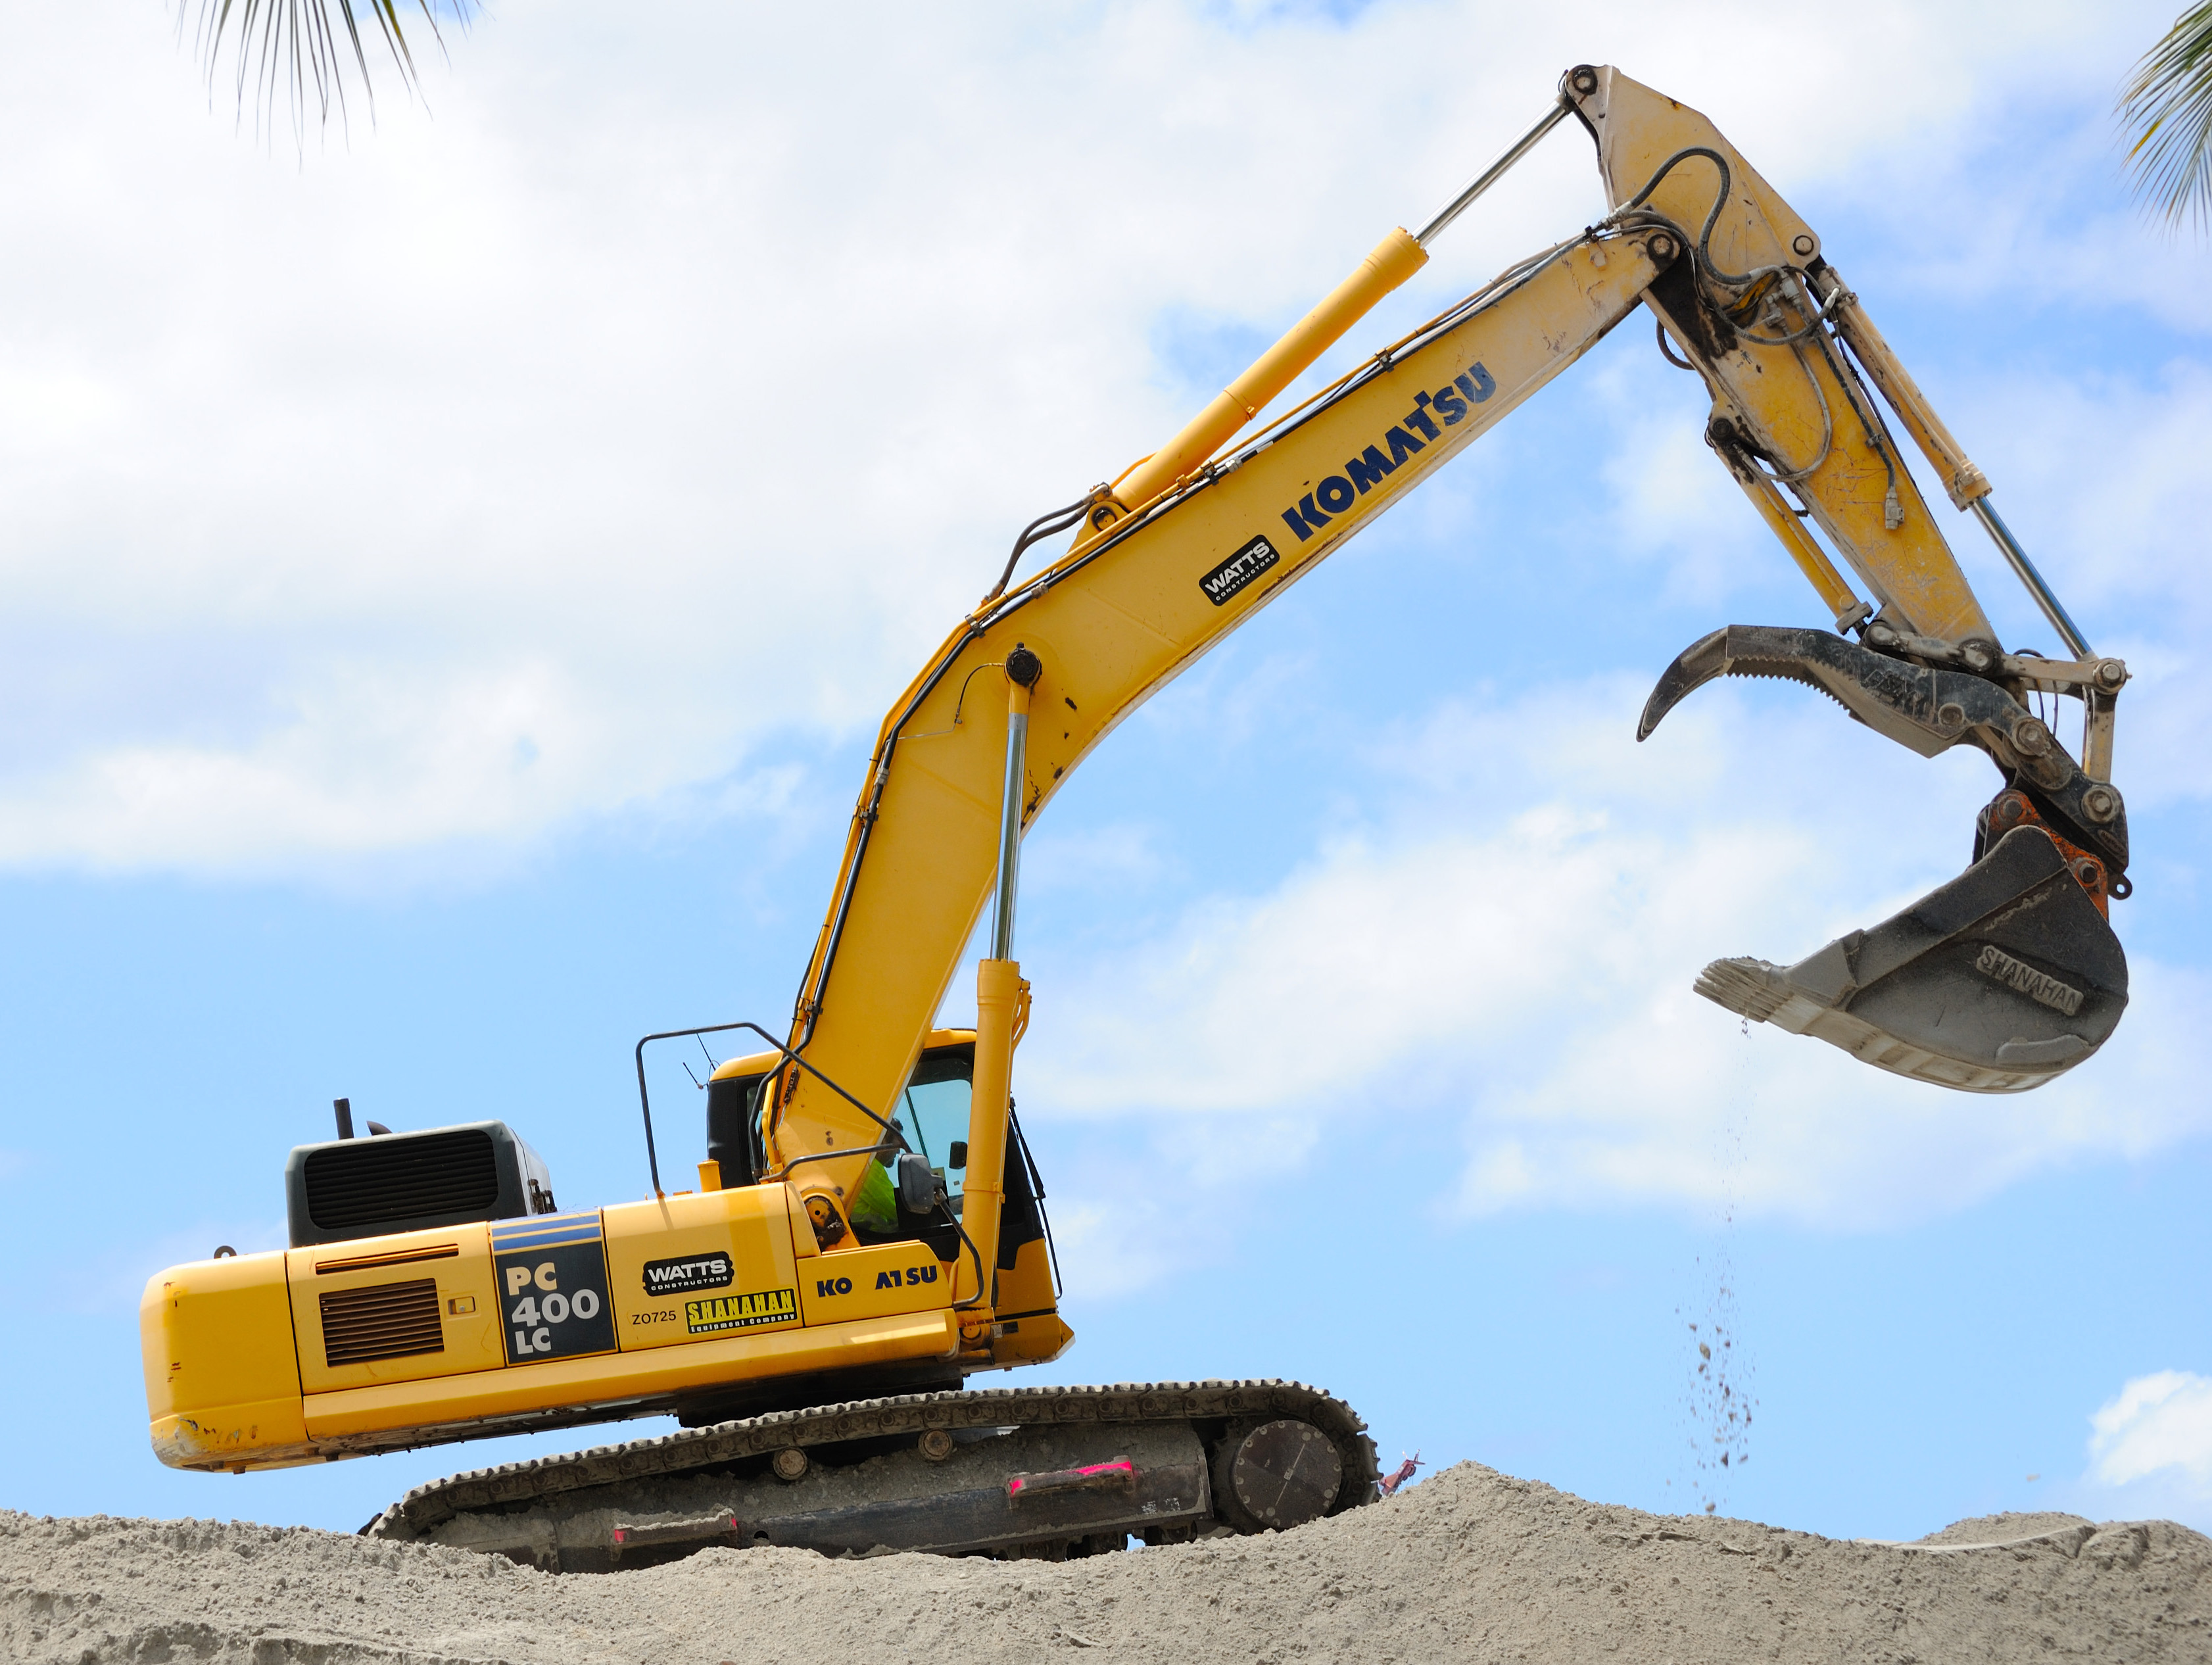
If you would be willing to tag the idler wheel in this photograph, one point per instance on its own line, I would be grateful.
(1278, 1474)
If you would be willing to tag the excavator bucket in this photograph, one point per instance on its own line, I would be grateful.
(1997, 981)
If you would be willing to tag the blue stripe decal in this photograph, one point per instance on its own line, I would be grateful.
(548, 1234)
(548, 1240)
(543, 1233)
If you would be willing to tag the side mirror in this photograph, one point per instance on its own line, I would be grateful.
(917, 1186)
(957, 1156)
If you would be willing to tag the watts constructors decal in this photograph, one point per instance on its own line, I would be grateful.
(2036, 985)
(1240, 569)
(741, 1312)
(1410, 434)
(712, 1271)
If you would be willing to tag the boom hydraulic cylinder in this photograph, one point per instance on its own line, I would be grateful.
(1392, 261)
(998, 990)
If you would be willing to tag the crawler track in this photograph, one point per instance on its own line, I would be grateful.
(1204, 1407)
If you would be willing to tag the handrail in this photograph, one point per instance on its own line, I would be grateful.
(645, 1101)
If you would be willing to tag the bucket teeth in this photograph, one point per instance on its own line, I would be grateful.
(1998, 981)
(1751, 988)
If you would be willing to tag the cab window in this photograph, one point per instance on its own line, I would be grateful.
(932, 1115)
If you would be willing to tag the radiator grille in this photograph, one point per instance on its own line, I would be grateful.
(385, 1321)
(406, 1176)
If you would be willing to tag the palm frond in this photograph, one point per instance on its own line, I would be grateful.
(301, 52)
(2167, 111)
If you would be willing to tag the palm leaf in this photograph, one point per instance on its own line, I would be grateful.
(304, 51)
(2167, 110)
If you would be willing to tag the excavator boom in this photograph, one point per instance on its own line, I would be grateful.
(1133, 604)
(1196, 539)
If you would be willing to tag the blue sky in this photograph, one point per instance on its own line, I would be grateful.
(452, 581)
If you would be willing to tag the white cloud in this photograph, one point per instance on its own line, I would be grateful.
(677, 383)
(1129, 852)
(1517, 979)
(2158, 1422)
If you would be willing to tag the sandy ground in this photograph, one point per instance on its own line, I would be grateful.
(1472, 1565)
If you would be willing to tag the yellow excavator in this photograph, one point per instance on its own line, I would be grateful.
(867, 1230)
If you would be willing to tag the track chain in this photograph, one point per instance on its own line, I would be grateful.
(426, 1506)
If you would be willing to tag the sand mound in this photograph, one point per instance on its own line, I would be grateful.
(1472, 1565)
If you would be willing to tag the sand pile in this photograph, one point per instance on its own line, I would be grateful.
(1472, 1565)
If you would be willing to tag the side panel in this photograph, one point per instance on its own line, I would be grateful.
(868, 1283)
(686, 1267)
(222, 1378)
(336, 1280)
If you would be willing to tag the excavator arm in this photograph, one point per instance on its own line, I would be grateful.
(1997, 982)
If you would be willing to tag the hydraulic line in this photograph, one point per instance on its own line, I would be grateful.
(1720, 202)
(1045, 525)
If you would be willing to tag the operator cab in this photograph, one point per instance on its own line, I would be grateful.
(931, 1116)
